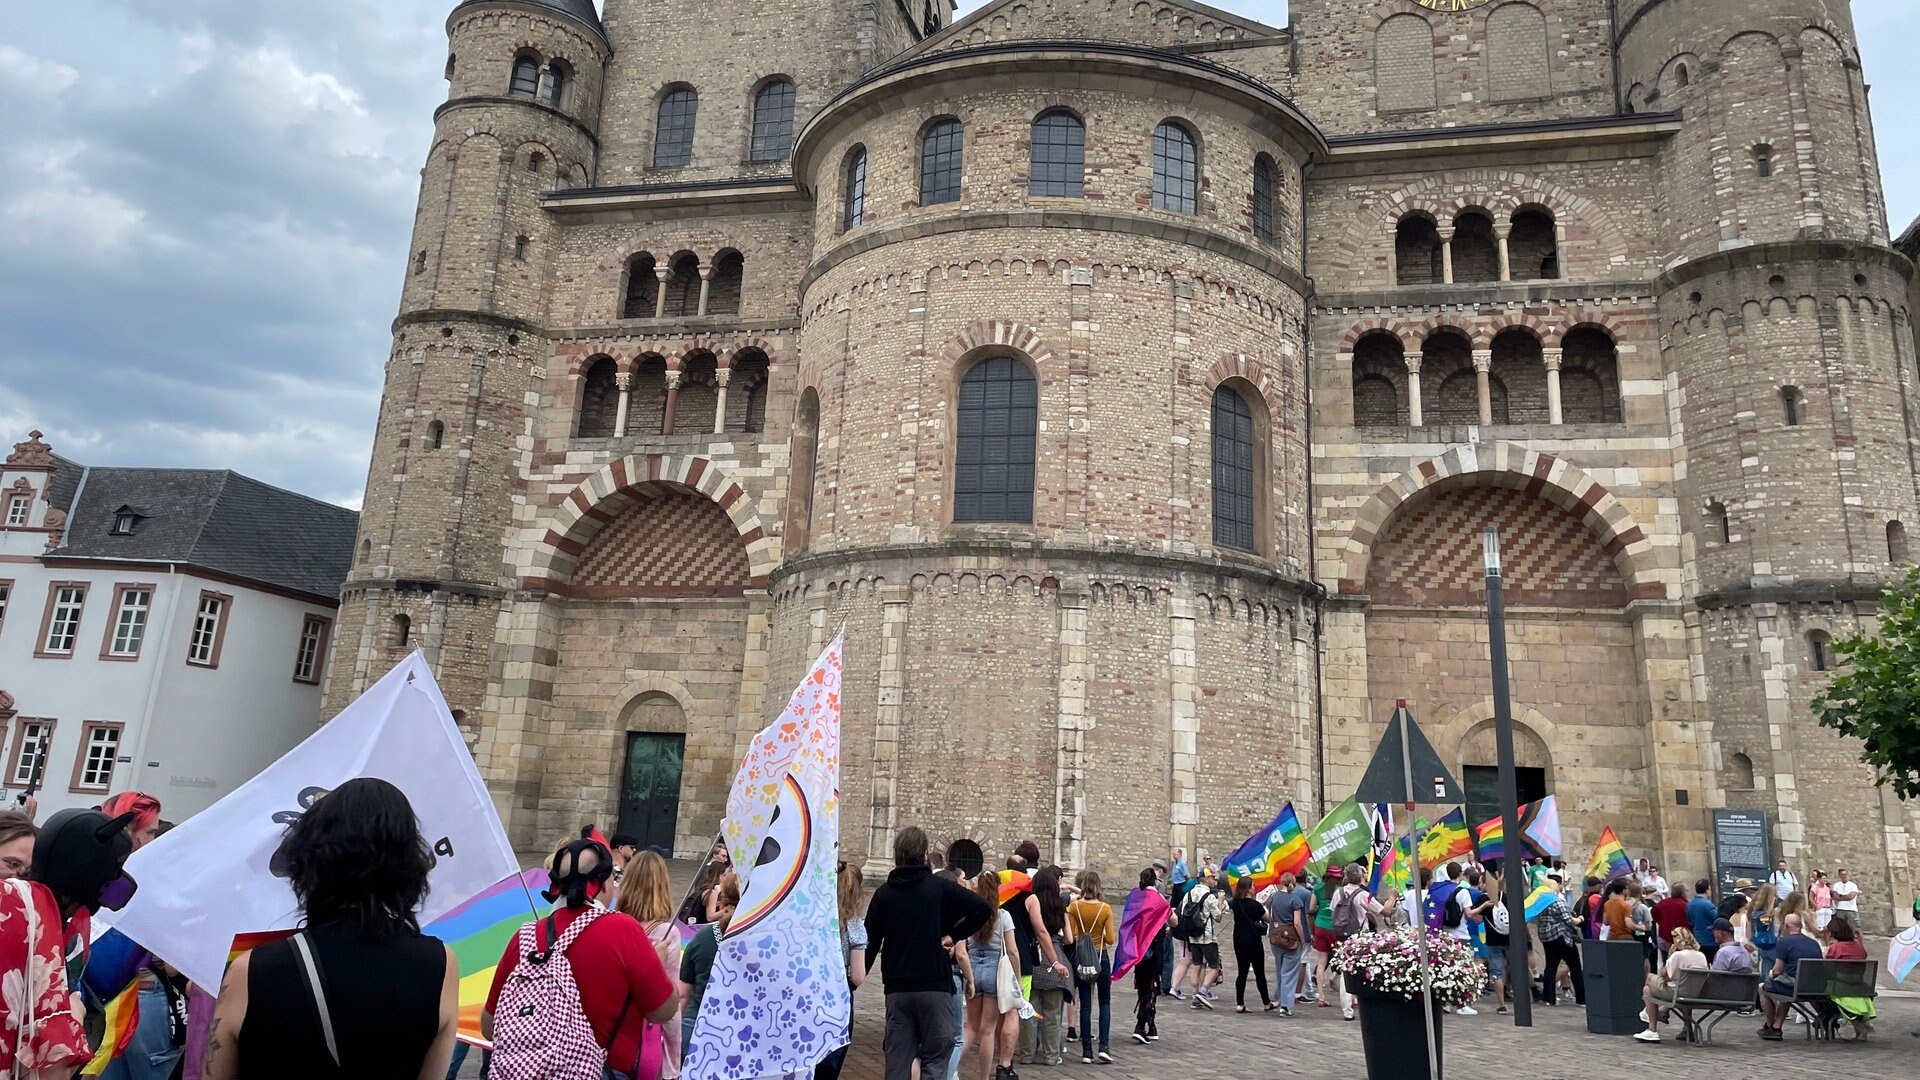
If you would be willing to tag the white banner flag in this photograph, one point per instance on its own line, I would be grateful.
(777, 1001)
(211, 877)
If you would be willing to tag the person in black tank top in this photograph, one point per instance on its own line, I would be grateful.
(359, 865)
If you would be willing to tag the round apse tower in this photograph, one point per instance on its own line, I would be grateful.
(1049, 467)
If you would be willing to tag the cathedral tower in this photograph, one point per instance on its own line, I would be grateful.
(1780, 311)
(521, 114)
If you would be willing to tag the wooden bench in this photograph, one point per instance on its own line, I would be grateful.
(1702, 998)
(1818, 982)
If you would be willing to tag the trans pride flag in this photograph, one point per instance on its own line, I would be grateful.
(1903, 953)
(1279, 848)
(478, 931)
(1146, 911)
(1539, 831)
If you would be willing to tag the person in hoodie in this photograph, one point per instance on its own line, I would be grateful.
(912, 922)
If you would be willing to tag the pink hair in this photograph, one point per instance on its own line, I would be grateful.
(145, 808)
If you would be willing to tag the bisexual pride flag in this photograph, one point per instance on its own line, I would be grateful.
(1145, 912)
(1279, 848)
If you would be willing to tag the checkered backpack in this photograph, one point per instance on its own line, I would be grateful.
(540, 1030)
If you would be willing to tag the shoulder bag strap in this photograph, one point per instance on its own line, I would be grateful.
(29, 1023)
(311, 970)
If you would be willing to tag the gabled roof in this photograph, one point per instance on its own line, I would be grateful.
(1908, 242)
(213, 519)
(1166, 24)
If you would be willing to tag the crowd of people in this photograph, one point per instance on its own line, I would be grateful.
(1013, 967)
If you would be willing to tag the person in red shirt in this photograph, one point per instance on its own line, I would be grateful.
(1669, 915)
(614, 963)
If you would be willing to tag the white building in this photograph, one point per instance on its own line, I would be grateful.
(160, 629)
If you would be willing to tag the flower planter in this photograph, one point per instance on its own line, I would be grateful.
(1391, 1031)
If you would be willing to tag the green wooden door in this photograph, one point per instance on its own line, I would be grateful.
(650, 790)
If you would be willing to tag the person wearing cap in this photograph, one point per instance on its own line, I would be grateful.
(78, 868)
(1727, 954)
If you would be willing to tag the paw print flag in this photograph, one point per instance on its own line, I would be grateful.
(221, 873)
(777, 1000)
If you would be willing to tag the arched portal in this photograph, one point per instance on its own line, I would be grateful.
(653, 734)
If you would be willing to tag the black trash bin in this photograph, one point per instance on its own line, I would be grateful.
(1616, 975)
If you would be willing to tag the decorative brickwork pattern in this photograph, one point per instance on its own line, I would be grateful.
(1431, 553)
(670, 543)
(1403, 64)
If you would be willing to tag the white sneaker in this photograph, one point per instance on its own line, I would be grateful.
(1647, 1036)
(1643, 1017)
(1467, 1010)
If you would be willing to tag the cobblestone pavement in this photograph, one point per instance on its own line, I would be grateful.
(1198, 1044)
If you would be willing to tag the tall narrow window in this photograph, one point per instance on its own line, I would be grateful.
(436, 435)
(65, 602)
(772, 122)
(99, 747)
(643, 287)
(854, 202)
(18, 507)
(993, 448)
(29, 750)
(553, 84)
(1233, 470)
(1790, 405)
(941, 151)
(402, 634)
(1059, 161)
(673, 134)
(312, 649)
(1718, 527)
(129, 621)
(1896, 545)
(1818, 650)
(1263, 197)
(526, 77)
(1176, 169)
(1763, 160)
(209, 630)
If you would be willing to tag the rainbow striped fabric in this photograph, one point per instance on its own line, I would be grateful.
(1490, 840)
(1392, 871)
(1609, 858)
(1279, 848)
(1445, 839)
(1013, 883)
(478, 931)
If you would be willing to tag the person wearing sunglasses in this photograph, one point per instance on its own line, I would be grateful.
(45, 924)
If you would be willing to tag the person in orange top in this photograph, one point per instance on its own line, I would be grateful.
(1617, 915)
(1093, 917)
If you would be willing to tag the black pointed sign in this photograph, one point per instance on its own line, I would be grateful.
(1385, 779)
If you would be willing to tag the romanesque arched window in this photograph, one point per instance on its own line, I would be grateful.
(643, 288)
(1790, 405)
(553, 84)
(400, 631)
(1379, 381)
(1518, 365)
(599, 400)
(853, 197)
(1719, 526)
(673, 129)
(1176, 169)
(1416, 251)
(1263, 188)
(772, 122)
(1739, 772)
(942, 149)
(723, 292)
(1236, 470)
(995, 421)
(1059, 158)
(1476, 251)
(1403, 74)
(526, 77)
(682, 286)
(436, 435)
(1897, 543)
(1532, 248)
(1517, 57)
(1819, 649)
(1589, 377)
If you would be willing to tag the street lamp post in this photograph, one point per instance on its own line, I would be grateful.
(1512, 873)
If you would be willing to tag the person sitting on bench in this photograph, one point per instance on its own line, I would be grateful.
(1684, 956)
(1792, 948)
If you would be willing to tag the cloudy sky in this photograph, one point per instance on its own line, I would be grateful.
(204, 226)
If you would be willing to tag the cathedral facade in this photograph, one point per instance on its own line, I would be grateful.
(1131, 381)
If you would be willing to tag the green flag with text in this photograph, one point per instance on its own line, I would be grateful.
(1343, 836)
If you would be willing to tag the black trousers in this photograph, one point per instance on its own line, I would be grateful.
(1256, 959)
(1558, 952)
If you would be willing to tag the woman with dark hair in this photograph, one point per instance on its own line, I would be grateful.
(360, 991)
(1846, 942)
(17, 834)
(1249, 944)
(1048, 908)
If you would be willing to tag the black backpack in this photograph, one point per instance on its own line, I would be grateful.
(1193, 917)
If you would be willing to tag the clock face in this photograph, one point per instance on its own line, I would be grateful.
(1451, 5)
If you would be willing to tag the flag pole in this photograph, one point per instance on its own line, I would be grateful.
(1513, 845)
(1416, 918)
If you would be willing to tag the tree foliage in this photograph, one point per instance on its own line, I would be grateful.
(1875, 696)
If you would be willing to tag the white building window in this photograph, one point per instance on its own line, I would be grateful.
(129, 621)
(209, 629)
(28, 747)
(17, 508)
(99, 747)
(63, 618)
(6, 594)
(312, 651)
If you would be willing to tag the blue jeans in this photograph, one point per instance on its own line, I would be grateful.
(960, 1028)
(151, 1054)
(460, 1051)
(1085, 991)
(1287, 963)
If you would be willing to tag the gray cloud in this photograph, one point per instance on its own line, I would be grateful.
(204, 226)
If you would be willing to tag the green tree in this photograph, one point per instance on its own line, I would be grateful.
(1875, 696)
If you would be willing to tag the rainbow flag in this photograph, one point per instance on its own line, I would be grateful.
(478, 931)
(1141, 919)
(1392, 871)
(1013, 883)
(123, 1019)
(1490, 840)
(1279, 848)
(1609, 858)
(1445, 839)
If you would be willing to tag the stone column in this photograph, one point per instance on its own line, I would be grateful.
(1446, 256)
(1483, 374)
(1184, 715)
(1551, 357)
(673, 394)
(706, 279)
(720, 378)
(1506, 262)
(660, 294)
(624, 383)
(1414, 416)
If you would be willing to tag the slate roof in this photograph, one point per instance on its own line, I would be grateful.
(213, 519)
